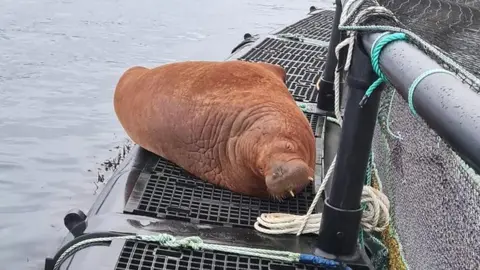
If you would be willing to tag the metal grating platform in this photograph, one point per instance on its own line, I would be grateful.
(317, 26)
(168, 191)
(313, 119)
(137, 255)
(172, 193)
(304, 64)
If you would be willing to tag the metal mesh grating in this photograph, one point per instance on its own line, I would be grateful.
(313, 119)
(304, 64)
(168, 191)
(173, 193)
(137, 255)
(317, 26)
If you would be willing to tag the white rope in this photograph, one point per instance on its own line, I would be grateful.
(306, 217)
(375, 217)
(279, 223)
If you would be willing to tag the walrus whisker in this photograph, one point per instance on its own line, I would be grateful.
(276, 197)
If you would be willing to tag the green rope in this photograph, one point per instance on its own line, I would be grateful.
(303, 107)
(417, 39)
(361, 237)
(196, 243)
(389, 111)
(412, 87)
(377, 47)
(168, 240)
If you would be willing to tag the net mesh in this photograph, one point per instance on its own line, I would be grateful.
(435, 196)
(452, 26)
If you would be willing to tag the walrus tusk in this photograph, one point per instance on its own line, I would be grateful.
(310, 178)
(293, 194)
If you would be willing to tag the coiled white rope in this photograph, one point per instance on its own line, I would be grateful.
(375, 217)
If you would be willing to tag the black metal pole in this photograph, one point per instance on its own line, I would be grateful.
(325, 99)
(446, 104)
(342, 211)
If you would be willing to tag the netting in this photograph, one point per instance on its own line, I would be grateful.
(435, 198)
(434, 195)
(453, 26)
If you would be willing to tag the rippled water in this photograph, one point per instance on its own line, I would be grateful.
(59, 63)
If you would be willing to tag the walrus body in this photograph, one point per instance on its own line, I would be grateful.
(233, 123)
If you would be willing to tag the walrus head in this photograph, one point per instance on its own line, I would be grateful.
(285, 170)
(287, 178)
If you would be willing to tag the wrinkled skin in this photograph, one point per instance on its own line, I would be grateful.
(233, 124)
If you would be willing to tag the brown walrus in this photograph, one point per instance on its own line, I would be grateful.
(233, 124)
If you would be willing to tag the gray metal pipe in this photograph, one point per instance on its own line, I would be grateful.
(446, 104)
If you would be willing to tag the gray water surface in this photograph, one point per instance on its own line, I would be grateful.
(59, 63)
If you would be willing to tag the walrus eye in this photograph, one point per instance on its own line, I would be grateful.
(289, 146)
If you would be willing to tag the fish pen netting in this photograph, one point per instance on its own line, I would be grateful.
(434, 195)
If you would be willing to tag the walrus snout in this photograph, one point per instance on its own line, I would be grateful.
(287, 178)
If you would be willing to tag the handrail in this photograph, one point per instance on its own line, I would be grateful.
(446, 104)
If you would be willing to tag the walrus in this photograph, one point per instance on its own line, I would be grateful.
(232, 123)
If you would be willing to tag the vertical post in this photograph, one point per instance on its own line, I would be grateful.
(342, 211)
(325, 99)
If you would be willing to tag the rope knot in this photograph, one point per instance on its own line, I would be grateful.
(193, 242)
(377, 47)
(162, 238)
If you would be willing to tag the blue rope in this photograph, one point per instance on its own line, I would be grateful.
(377, 47)
(413, 86)
(316, 260)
